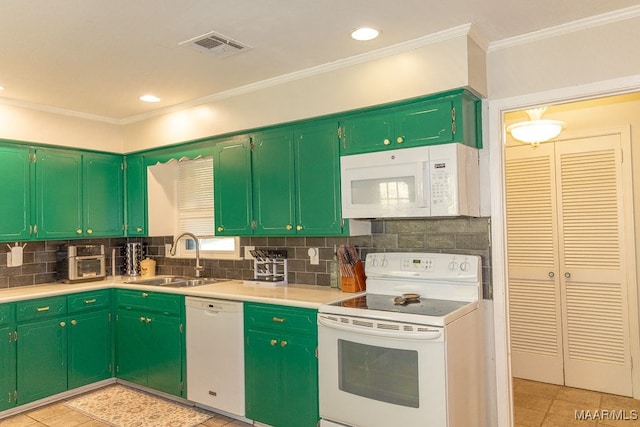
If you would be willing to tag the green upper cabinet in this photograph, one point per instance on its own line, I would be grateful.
(273, 182)
(103, 195)
(317, 180)
(437, 120)
(15, 203)
(232, 187)
(279, 182)
(136, 196)
(52, 193)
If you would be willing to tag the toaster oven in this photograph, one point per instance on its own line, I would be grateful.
(80, 263)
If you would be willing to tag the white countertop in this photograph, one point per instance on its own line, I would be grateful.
(307, 296)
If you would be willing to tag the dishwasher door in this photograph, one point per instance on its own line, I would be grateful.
(215, 354)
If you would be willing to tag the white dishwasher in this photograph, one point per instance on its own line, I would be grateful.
(215, 354)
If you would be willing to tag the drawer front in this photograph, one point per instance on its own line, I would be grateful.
(41, 308)
(152, 301)
(7, 313)
(89, 300)
(280, 318)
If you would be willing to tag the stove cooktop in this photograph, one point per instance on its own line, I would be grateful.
(423, 306)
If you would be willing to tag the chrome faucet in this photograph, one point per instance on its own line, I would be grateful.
(172, 251)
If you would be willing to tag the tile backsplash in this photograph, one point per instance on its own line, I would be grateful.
(451, 235)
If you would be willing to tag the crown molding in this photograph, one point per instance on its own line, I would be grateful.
(59, 111)
(570, 27)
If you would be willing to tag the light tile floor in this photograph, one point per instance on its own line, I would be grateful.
(59, 415)
(547, 405)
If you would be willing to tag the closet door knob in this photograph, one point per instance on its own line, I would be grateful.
(567, 275)
(551, 274)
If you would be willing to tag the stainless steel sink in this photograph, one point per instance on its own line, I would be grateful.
(176, 281)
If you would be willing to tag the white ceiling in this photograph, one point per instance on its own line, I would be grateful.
(97, 57)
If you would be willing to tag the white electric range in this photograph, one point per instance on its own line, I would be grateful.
(408, 351)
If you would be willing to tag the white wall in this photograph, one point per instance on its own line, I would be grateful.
(46, 127)
(589, 55)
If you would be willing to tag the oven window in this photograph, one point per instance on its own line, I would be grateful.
(380, 373)
(89, 267)
(384, 191)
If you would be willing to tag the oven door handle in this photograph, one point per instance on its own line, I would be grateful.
(429, 335)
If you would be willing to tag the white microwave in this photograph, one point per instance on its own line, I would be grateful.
(437, 180)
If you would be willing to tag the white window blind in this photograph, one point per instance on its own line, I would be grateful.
(195, 197)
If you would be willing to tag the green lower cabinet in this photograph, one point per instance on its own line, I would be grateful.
(8, 335)
(42, 358)
(150, 340)
(281, 367)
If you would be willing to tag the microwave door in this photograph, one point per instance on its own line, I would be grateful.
(392, 190)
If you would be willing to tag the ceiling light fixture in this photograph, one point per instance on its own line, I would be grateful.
(535, 130)
(364, 33)
(149, 98)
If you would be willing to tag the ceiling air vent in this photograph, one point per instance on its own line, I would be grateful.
(215, 44)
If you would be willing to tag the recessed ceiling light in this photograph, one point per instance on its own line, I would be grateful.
(364, 33)
(1, 88)
(149, 98)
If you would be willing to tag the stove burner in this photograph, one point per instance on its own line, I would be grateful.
(407, 299)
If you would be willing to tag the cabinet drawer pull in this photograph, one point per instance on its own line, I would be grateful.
(139, 229)
(63, 324)
(273, 342)
(144, 295)
(279, 319)
(148, 320)
(90, 301)
(74, 322)
(142, 319)
(78, 231)
(40, 309)
(386, 141)
(283, 343)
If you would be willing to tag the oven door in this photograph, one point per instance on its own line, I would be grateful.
(380, 373)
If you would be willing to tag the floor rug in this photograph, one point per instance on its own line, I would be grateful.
(121, 406)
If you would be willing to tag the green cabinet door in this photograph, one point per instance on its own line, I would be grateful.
(8, 337)
(15, 203)
(426, 123)
(263, 377)
(58, 194)
(90, 347)
(103, 195)
(166, 349)
(273, 183)
(300, 380)
(131, 346)
(7, 368)
(42, 358)
(232, 187)
(317, 180)
(367, 132)
(136, 196)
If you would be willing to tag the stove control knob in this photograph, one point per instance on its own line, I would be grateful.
(465, 266)
(453, 265)
(373, 261)
(384, 263)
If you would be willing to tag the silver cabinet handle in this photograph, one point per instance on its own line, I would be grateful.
(551, 274)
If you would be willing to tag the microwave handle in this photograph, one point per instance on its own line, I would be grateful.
(423, 195)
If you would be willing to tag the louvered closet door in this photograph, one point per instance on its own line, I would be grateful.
(534, 284)
(592, 268)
